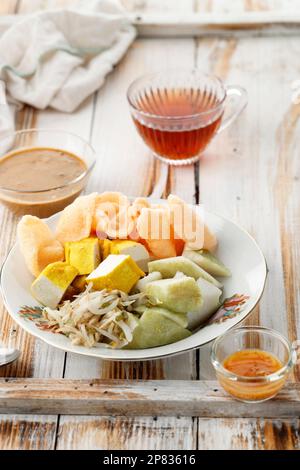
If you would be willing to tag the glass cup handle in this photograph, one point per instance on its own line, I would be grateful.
(241, 94)
(296, 352)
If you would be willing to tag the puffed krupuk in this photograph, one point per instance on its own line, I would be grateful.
(38, 244)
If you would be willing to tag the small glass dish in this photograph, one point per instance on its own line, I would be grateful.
(46, 202)
(259, 388)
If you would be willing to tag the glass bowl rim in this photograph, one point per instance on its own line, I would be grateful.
(178, 70)
(266, 378)
(79, 178)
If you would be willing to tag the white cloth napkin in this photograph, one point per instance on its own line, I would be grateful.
(58, 58)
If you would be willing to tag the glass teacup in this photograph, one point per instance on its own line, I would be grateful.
(178, 112)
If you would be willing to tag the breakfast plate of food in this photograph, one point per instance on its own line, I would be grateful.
(131, 279)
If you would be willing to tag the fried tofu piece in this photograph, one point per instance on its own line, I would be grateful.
(116, 272)
(137, 251)
(83, 255)
(53, 282)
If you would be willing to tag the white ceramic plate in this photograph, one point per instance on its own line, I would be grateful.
(237, 249)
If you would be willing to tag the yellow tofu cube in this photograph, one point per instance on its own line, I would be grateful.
(137, 251)
(116, 272)
(83, 255)
(51, 285)
(105, 247)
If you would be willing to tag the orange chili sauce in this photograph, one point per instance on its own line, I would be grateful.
(252, 363)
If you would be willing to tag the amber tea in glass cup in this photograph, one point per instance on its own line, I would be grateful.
(178, 112)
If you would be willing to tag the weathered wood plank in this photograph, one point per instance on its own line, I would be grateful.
(125, 164)
(257, 156)
(250, 23)
(119, 433)
(138, 398)
(8, 7)
(35, 357)
(253, 158)
(27, 432)
(163, 432)
(199, 25)
(35, 5)
(248, 434)
(240, 6)
(38, 360)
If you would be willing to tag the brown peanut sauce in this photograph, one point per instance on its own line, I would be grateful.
(41, 180)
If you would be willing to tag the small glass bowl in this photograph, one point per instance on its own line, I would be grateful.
(252, 389)
(44, 203)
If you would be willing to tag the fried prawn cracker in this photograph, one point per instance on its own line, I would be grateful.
(38, 244)
(153, 226)
(76, 220)
(189, 227)
(112, 215)
(136, 207)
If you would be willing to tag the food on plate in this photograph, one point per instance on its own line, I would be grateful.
(83, 255)
(179, 318)
(116, 272)
(38, 245)
(169, 267)
(178, 294)
(75, 222)
(105, 245)
(51, 285)
(137, 206)
(207, 261)
(99, 319)
(90, 274)
(194, 232)
(142, 284)
(154, 228)
(155, 329)
(161, 248)
(210, 295)
(111, 215)
(79, 283)
(137, 251)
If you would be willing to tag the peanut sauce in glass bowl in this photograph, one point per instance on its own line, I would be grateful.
(41, 172)
(252, 363)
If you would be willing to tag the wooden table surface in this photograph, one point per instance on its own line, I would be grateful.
(250, 174)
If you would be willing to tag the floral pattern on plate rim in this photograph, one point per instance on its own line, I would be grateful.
(231, 307)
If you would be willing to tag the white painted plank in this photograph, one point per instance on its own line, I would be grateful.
(244, 160)
(249, 174)
(37, 359)
(125, 164)
(139, 398)
(263, 23)
(88, 433)
(248, 434)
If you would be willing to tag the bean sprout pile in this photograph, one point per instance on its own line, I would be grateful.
(96, 318)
